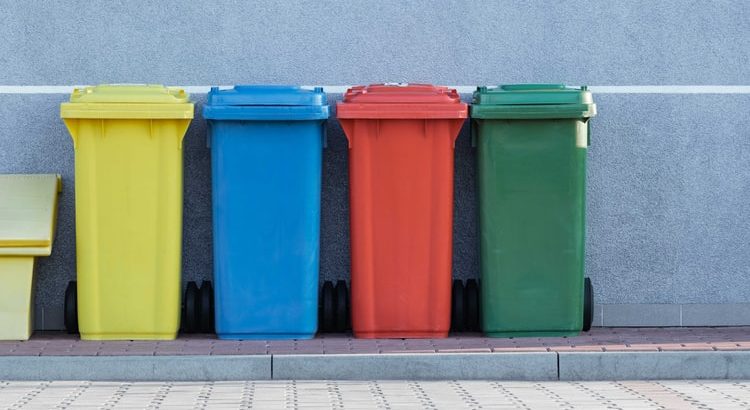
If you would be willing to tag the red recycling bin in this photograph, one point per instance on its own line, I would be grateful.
(401, 148)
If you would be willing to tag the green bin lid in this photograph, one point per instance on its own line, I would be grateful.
(532, 101)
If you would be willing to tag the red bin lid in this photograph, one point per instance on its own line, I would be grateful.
(401, 101)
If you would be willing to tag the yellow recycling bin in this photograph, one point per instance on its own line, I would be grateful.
(128, 166)
(28, 211)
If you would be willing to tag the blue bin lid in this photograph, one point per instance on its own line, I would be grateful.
(266, 102)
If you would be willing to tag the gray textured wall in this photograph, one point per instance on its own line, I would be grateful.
(335, 42)
(669, 181)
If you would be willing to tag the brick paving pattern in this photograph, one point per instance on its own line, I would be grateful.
(378, 395)
(599, 340)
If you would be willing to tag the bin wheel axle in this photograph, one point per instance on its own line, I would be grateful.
(71, 308)
(334, 307)
(206, 316)
(471, 302)
(457, 306)
(191, 308)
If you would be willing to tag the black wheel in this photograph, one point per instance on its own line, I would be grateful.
(192, 324)
(341, 305)
(471, 305)
(457, 307)
(327, 307)
(349, 309)
(206, 314)
(588, 304)
(71, 308)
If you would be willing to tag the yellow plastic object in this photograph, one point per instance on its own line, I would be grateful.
(16, 297)
(28, 211)
(128, 149)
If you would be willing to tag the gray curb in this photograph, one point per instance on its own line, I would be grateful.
(439, 366)
(567, 366)
(135, 368)
(654, 365)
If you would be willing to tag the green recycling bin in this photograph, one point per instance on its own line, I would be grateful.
(531, 147)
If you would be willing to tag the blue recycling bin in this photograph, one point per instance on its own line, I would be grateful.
(266, 153)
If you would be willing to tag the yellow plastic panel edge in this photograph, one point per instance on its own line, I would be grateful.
(28, 211)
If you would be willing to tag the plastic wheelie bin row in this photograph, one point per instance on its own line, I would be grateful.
(28, 215)
(266, 151)
(401, 147)
(266, 154)
(128, 168)
(531, 148)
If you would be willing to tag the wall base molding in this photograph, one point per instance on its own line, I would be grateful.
(697, 314)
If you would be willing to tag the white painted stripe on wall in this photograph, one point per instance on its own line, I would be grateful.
(671, 89)
(463, 89)
(37, 89)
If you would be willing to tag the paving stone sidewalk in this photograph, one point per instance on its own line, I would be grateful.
(451, 395)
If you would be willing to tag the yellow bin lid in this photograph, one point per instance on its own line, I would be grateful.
(28, 209)
(128, 101)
